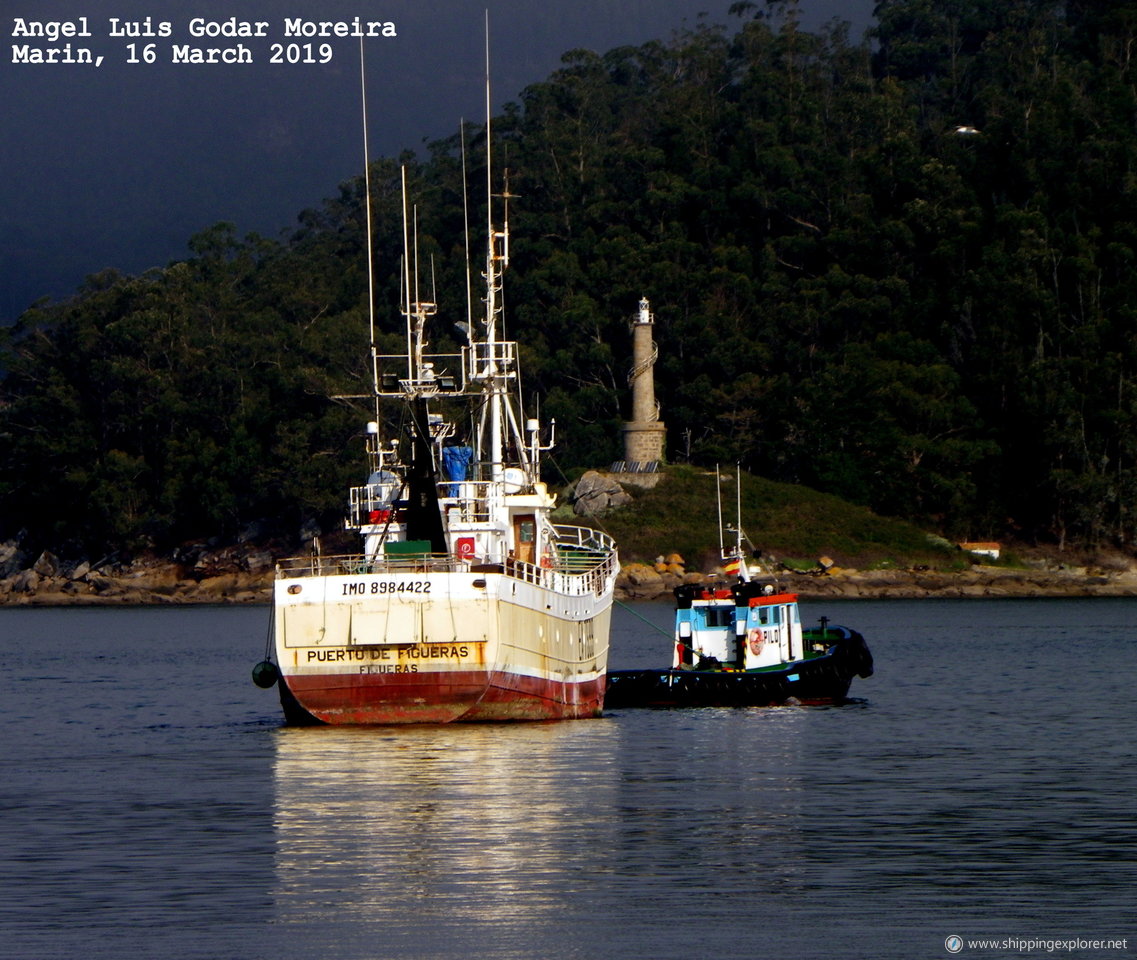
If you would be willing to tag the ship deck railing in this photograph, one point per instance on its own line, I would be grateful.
(585, 562)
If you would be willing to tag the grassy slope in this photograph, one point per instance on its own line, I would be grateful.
(786, 522)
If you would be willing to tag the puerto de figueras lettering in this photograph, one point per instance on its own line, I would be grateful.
(371, 660)
(50, 41)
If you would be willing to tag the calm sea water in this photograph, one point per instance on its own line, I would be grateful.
(982, 784)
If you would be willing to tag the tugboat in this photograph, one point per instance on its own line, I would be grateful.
(739, 643)
(466, 602)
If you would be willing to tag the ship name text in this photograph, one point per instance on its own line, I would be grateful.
(425, 651)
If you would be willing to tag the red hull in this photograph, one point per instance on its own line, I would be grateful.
(468, 696)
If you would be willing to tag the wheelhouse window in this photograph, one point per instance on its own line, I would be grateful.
(717, 616)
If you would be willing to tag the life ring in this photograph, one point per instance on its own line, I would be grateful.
(757, 641)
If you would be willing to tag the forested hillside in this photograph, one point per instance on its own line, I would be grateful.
(901, 272)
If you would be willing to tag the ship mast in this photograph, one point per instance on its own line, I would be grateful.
(493, 287)
(501, 442)
(370, 237)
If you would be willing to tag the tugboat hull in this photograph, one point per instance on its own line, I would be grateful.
(818, 680)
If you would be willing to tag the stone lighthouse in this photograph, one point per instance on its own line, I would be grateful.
(644, 434)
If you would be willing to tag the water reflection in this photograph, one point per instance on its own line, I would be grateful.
(446, 825)
(504, 839)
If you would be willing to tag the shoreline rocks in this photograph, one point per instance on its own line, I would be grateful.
(231, 575)
(243, 574)
(637, 582)
(99, 590)
(978, 581)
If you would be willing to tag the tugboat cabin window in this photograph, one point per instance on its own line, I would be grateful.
(718, 616)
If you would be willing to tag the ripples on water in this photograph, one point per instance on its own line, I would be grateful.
(152, 805)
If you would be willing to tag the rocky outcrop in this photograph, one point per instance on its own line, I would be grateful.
(638, 581)
(594, 494)
(12, 558)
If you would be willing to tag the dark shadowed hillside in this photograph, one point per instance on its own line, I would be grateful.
(901, 275)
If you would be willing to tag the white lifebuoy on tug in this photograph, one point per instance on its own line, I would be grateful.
(757, 641)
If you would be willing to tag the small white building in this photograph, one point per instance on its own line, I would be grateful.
(988, 549)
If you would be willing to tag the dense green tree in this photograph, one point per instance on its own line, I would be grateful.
(899, 272)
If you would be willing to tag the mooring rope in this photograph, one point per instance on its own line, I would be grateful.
(268, 639)
(643, 618)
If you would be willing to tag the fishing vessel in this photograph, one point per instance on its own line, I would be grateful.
(740, 642)
(465, 601)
